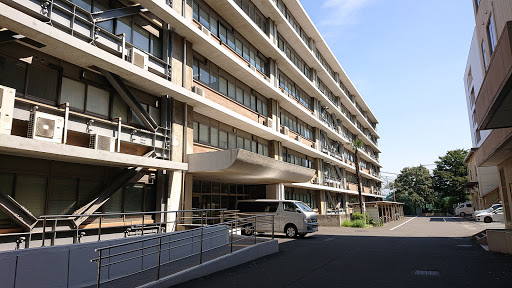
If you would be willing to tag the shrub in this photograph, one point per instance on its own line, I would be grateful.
(359, 216)
(346, 223)
(358, 223)
(372, 222)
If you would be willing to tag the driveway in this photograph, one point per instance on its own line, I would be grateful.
(413, 252)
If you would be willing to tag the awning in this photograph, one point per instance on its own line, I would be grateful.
(245, 167)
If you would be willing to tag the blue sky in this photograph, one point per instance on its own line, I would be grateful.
(407, 59)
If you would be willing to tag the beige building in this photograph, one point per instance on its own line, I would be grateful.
(129, 106)
(493, 104)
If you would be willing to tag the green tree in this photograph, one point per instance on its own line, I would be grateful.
(413, 186)
(450, 174)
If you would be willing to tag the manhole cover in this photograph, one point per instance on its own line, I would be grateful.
(426, 273)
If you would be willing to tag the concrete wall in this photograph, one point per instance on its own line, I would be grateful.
(505, 187)
(70, 266)
(332, 220)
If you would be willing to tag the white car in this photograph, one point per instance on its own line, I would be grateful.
(488, 217)
(490, 209)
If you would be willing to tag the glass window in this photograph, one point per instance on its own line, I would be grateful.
(231, 141)
(87, 190)
(213, 26)
(223, 86)
(84, 4)
(246, 53)
(195, 12)
(124, 25)
(231, 90)
(141, 38)
(73, 92)
(223, 139)
(62, 196)
(196, 132)
(42, 82)
(203, 18)
(204, 75)
(247, 99)
(491, 33)
(31, 193)
(134, 197)
(484, 55)
(107, 25)
(239, 47)
(135, 119)
(223, 33)
(6, 184)
(254, 147)
(97, 101)
(120, 108)
(115, 202)
(155, 114)
(203, 133)
(156, 46)
(214, 81)
(12, 74)
(231, 40)
(247, 144)
(214, 136)
(239, 142)
(253, 102)
(239, 95)
(195, 69)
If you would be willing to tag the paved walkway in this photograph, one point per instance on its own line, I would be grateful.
(423, 252)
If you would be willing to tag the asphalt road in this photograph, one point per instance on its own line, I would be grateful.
(423, 252)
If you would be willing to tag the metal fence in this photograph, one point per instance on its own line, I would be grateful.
(49, 228)
(158, 256)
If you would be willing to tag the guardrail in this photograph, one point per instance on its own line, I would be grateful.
(202, 243)
(47, 226)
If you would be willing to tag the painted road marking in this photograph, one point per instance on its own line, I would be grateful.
(444, 219)
(426, 273)
(328, 239)
(402, 224)
(464, 245)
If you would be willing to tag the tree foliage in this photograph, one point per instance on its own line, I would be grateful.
(413, 186)
(450, 174)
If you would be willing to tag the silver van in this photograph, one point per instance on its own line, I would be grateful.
(294, 218)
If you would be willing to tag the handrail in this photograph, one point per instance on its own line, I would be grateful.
(232, 226)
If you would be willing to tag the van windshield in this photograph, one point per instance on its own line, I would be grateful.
(303, 206)
(269, 207)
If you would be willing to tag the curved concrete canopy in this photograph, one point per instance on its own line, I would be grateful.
(245, 167)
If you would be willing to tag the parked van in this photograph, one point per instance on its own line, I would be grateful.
(294, 218)
(464, 209)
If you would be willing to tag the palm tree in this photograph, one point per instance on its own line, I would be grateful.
(356, 144)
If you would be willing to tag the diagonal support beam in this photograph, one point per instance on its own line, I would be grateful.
(130, 99)
(126, 176)
(17, 212)
(102, 16)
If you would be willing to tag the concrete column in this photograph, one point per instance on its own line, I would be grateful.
(272, 70)
(314, 77)
(274, 114)
(173, 200)
(317, 138)
(323, 203)
(274, 150)
(345, 201)
(275, 191)
(319, 171)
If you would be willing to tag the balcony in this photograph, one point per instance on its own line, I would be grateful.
(494, 101)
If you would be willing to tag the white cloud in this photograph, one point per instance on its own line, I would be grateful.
(341, 12)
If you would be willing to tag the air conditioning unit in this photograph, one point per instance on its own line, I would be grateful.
(46, 127)
(6, 109)
(139, 58)
(198, 90)
(299, 138)
(205, 31)
(286, 131)
(100, 142)
(269, 122)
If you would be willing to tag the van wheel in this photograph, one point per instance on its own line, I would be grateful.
(487, 219)
(247, 230)
(290, 230)
(462, 214)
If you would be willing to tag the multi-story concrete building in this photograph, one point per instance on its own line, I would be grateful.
(147, 105)
(482, 181)
(493, 105)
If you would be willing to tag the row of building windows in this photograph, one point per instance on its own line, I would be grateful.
(293, 157)
(213, 136)
(295, 91)
(217, 79)
(301, 195)
(293, 56)
(46, 83)
(334, 99)
(296, 125)
(254, 14)
(207, 17)
(295, 25)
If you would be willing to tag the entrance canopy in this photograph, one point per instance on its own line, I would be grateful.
(244, 167)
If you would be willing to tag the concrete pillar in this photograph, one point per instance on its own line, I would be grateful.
(323, 203)
(274, 150)
(317, 138)
(275, 191)
(173, 200)
(274, 114)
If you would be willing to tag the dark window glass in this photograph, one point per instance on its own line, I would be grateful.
(12, 74)
(42, 82)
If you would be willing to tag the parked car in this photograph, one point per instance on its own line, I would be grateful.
(488, 217)
(490, 209)
(464, 209)
(294, 218)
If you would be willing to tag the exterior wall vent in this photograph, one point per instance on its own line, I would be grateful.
(139, 58)
(6, 109)
(100, 142)
(198, 90)
(46, 127)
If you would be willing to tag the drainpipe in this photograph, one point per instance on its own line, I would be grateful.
(184, 64)
(66, 123)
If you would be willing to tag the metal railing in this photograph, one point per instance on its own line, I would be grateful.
(206, 243)
(134, 223)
